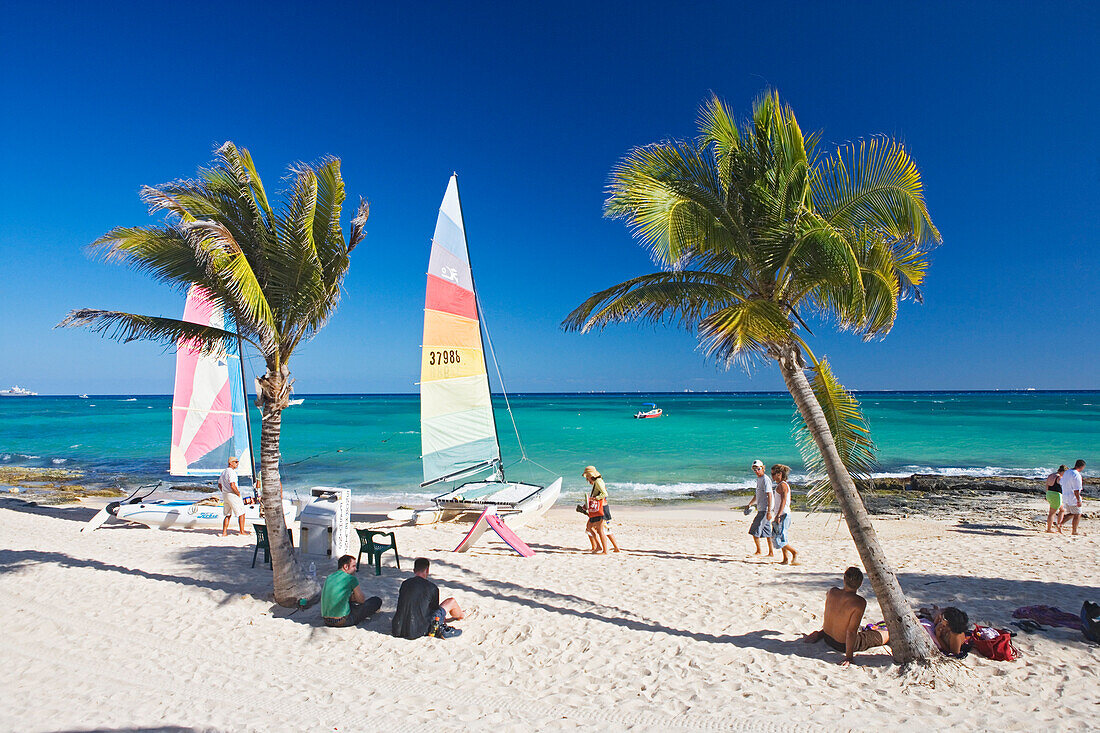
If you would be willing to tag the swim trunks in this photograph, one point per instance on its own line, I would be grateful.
(866, 638)
(1054, 498)
(1072, 508)
(760, 526)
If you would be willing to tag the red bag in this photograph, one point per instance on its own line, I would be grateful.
(995, 644)
(595, 507)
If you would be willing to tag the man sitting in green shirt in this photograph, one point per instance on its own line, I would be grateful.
(342, 601)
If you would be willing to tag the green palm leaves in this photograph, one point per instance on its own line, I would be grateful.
(758, 232)
(278, 272)
(850, 430)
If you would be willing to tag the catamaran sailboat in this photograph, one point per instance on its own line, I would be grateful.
(209, 425)
(457, 425)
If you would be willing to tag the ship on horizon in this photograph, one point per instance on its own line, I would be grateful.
(17, 391)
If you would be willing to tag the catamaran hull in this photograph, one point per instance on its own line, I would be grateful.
(190, 515)
(534, 502)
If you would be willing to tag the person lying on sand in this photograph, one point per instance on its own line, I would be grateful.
(419, 610)
(948, 627)
(844, 609)
(342, 601)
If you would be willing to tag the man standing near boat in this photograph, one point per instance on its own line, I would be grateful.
(232, 503)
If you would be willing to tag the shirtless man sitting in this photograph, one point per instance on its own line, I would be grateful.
(844, 609)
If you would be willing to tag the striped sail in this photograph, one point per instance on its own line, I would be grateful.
(208, 404)
(457, 430)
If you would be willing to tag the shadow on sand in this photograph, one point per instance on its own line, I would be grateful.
(71, 512)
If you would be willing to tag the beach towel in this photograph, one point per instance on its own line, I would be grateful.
(1048, 616)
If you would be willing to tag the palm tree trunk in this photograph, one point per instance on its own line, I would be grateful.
(908, 640)
(291, 582)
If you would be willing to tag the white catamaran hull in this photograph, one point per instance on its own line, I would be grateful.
(190, 515)
(517, 503)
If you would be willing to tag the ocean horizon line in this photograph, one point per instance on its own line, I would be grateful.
(617, 393)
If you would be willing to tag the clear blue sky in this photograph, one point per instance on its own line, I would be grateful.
(532, 105)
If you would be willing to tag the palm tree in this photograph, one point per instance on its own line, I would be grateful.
(279, 273)
(756, 233)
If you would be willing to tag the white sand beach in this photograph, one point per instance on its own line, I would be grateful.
(129, 627)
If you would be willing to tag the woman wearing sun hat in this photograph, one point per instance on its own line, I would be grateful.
(599, 515)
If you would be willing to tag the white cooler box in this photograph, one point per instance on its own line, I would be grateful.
(326, 523)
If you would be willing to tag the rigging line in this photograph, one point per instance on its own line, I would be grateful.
(500, 379)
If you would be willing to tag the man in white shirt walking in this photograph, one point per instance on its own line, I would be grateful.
(761, 528)
(1072, 485)
(231, 497)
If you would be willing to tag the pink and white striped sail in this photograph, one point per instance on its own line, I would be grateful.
(208, 404)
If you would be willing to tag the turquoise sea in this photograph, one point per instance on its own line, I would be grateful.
(703, 444)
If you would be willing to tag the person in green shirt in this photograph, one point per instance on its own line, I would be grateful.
(342, 601)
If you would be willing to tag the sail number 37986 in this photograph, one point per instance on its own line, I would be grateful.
(448, 356)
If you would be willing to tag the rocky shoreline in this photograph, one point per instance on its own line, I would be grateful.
(937, 496)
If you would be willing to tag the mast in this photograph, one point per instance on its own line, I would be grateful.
(481, 323)
(247, 418)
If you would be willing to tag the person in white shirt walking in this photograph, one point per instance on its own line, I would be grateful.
(231, 496)
(761, 528)
(1072, 485)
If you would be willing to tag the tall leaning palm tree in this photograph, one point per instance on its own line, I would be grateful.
(278, 272)
(757, 233)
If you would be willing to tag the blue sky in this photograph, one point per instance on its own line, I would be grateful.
(532, 105)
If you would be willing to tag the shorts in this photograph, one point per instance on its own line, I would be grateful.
(1054, 498)
(232, 505)
(761, 527)
(1071, 508)
(866, 638)
(779, 531)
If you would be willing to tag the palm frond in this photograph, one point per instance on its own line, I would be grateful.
(126, 327)
(164, 253)
(671, 198)
(718, 131)
(850, 429)
(680, 298)
(873, 183)
(743, 331)
(231, 278)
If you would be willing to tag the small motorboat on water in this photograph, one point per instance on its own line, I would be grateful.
(653, 411)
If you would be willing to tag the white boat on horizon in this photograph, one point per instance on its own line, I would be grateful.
(17, 391)
(457, 424)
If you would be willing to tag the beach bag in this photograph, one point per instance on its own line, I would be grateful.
(995, 644)
(1090, 621)
(595, 507)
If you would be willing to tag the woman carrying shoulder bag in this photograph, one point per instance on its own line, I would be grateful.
(599, 515)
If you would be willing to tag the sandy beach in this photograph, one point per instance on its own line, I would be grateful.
(133, 628)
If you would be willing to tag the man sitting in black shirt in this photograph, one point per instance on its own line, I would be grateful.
(419, 611)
